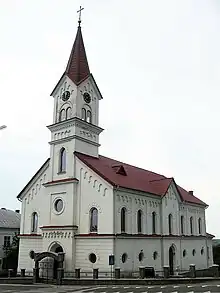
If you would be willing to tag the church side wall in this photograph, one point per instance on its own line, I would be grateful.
(101, 247)
(132, 248)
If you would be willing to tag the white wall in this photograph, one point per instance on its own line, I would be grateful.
(93, 191)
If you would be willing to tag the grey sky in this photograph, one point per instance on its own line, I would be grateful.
(157, 65)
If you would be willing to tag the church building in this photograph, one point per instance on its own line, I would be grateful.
(89, 206)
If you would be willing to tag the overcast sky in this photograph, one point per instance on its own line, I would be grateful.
(157, 65)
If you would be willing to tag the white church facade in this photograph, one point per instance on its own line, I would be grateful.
(90, 206)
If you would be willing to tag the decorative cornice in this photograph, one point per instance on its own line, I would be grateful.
(61, 181)
(72, 137)
(75, 121)
(65, 227)
(30, 236)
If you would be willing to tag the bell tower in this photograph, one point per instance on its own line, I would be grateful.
(76, 96)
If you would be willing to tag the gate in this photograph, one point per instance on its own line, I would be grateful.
(47, 271)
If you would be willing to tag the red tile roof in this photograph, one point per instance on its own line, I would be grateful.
(78, 68)
(131, 177)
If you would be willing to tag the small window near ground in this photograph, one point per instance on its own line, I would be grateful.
(141, 256)
(202, 251)
(92, 258)
(194, 252)
(155, 255)
(124, 257)
(184, 253)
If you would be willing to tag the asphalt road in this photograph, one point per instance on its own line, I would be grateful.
(190, 288)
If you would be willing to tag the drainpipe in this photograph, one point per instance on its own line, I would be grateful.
(161, 240)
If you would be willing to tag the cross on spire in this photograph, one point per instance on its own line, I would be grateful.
(79, 11)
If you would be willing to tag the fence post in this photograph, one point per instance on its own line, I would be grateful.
(10, 273)
(95, 273)
(117, 273)
(77, 273)
(22, 273)
(36, 275)
(166, 272)
(215, 271)
(60, 274)
(192, 271)
(141, 272)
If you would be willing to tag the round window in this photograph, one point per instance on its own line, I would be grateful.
(202, 251)
(92, 257)
(58, 205)
(194, 252)
(155, 254)
(124, 257)
(141, 256)
(184, 253)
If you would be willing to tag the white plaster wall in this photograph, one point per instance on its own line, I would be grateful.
(132, 203)
(93, 191)
(25, 246)
(170, 205)
(101, 247)
(132, 247)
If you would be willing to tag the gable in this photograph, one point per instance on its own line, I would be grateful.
(33, 180)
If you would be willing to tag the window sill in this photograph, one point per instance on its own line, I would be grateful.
(61, 172)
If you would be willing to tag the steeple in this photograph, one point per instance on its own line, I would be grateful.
(77, 68)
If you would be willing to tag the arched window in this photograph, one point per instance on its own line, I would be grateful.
(170, 223)
(62, 167)
(191, 225)
(62, 115)
(68, 113)
(34, 222)
(153, 223)
(139, 221)
(200, 226)
(93, 220)
(89, 116)
(83, 114)
(123, 220)
(182, 224)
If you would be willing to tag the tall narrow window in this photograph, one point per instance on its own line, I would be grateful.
(89, 116)
(123, 220)
(182, 224)
(153, 223)
(191, 225)
(139, 221)
(34, 222)
(170, 223)
(62, 115)
(200, 226)
(83, 114)
(62, 167)
(68, 113)
(93, 220)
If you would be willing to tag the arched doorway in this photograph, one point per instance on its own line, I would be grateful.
(53, 265)
(46, 264)
(171, 259)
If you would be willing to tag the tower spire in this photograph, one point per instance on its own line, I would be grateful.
(77, 67)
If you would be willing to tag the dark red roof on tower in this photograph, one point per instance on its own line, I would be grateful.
(77, 68)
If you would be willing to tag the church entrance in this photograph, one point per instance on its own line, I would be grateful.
(47, 264)
(171, 259)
